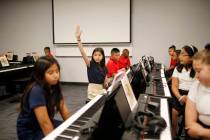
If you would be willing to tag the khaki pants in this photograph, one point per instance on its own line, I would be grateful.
(94, 90)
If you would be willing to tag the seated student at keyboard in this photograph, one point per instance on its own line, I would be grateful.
(182, 79)
(124, 61)
(168, 73)
(197, 112)
(41, 100)
(173, 62)
(96, 69)
(113, 63)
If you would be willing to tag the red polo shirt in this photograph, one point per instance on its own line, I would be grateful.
(173, 63)
(113, 67)
(49, 54)
(124, 62)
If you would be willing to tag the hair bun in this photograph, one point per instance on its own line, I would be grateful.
(207, 46)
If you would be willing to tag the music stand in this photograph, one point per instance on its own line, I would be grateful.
(4, 61)
(9, 56)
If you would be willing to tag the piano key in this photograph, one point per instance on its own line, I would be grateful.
(77, 122)
(69, 132)
(76, 138)
(64, 137)
(67, 138)
(164, 112)
(76, 126)
(73, 127)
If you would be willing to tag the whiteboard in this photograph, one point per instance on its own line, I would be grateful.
(101, 21)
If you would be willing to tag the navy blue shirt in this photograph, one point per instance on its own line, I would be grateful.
(96, 74)
(27, 124)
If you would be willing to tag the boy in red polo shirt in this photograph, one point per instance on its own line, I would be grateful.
(124, 61)
(113, 63)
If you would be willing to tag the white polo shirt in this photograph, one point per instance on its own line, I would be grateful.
(200, 95)
(185, 81)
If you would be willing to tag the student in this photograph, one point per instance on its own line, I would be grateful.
(47, 52)
(124, 61)
(96, 69)
(41, 100)
(173, 61)
(113, 63)
(197, 112)
(169, 72)
(173, 55)
(182, 79)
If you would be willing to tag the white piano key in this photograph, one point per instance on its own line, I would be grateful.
(72, 130)
(164, 112)
(78, 126)
(166, 89)
(68, 137)
(162, 66)
(162, 73)
(76, 138)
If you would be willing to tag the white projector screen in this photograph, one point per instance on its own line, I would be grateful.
(101, 21)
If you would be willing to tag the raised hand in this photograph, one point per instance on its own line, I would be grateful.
(82, 51)
(78, 32)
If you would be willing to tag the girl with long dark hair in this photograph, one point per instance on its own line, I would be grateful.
(41, 100)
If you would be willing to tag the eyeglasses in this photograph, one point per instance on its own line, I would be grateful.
(182, 54)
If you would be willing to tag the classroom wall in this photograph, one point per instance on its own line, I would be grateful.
(157, 24)
(26, 26)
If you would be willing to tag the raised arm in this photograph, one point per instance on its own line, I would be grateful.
(82, 51)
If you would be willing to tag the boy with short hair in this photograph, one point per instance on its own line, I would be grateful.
(47, 51)
(113, 63)
(124, 61)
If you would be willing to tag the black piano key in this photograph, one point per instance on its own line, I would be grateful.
(85, 118)
(77, 122)
(73, 127)
(69, 132)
